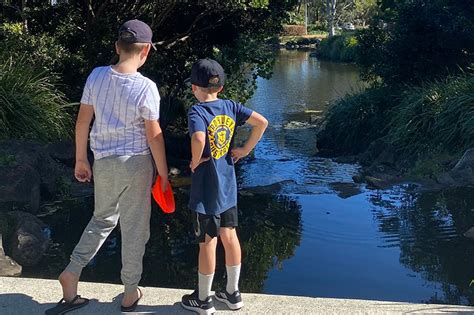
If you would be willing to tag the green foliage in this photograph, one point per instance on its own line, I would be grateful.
(295, 18)
(415, 41)
(42, 49)
(339, 48)
(422, 125)
(7, 160)
(235, 32)
(317, 29)
(436, 117)
(357, 120)
(30, 104)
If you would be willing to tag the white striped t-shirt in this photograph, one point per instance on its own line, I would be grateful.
(121, 104)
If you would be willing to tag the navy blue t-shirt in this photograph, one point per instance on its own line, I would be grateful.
(214, 186)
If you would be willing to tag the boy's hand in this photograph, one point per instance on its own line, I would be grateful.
(82, 171)
(164, 183)
(193, 166)
(238, 153)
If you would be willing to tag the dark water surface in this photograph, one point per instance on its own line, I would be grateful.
(311, 232)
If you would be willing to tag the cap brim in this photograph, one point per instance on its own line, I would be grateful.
(187, 82)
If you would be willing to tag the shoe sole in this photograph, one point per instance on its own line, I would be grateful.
(199, 310)
(233, 307)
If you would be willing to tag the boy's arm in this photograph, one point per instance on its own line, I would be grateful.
(198, 142)
(154, 135)
(82, 169)
(259, 124)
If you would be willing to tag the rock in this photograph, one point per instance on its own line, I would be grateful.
(345, 190)
(34, 156)
(445, 179)
(376, 182)
(304, 41)
(80, 190)
(62, 151)
(8, 267)
(378, 152)
(469, 233)
(174, 171)
(19, 188)
(270, 189)
(246, 193)
(466, 161)
(315, 119)
(297, 125)
(180, 181)
(358, 179)
(28, 242)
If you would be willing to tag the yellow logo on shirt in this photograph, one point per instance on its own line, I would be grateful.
(220, 131)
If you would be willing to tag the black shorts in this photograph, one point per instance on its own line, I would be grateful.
(210, 224)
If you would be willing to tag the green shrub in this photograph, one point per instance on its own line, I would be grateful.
(30, 104)
(417, 40)
(317, 29)
(42, 49)
(339, 48)
(424, 126)
(435, 118)
(357, 120)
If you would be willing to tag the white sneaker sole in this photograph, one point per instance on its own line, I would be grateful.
(199, 310)
(233, 307)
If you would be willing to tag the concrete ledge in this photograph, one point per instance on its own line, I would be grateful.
(33, 296)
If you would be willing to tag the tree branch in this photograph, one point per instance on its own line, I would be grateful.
(185, 35)
(158, 19)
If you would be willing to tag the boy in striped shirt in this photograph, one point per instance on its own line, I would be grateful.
(125, 107)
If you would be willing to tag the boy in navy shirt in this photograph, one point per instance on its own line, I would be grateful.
(213, 199)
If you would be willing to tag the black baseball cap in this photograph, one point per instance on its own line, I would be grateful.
(136, 31)
(207, 73)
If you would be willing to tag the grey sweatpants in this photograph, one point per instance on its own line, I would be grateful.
(122, 189)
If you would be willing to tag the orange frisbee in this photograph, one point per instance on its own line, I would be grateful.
(164, 200)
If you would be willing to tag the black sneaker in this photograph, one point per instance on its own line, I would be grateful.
(233, 301)
(193, 303)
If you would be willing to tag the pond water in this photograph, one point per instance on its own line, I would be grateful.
(306, 228)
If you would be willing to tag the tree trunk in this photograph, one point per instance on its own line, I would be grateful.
(305, 17)
(331, 14)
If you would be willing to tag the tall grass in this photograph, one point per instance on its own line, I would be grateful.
(31, 106)
(356, 120)
(437, 117)
(417, 123)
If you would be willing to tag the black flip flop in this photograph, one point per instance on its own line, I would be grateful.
(63, 306)
(132, 307)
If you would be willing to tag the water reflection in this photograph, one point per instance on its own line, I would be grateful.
(428, 228)
(270, 230)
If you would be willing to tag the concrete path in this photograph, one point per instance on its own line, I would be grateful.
(20, 296)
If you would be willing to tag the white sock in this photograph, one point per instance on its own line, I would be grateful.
(205, 284)
(233, 274)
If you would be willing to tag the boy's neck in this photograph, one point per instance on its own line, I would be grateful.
(127, 65)
(203, 98)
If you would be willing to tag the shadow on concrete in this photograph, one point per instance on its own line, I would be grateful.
(21, 304)
(174, 309)
(17, 303)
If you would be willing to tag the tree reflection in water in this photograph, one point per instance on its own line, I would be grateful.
(269, 231)
(428, 227)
